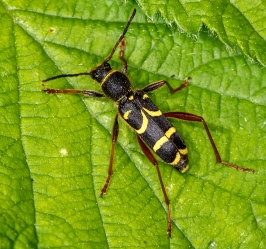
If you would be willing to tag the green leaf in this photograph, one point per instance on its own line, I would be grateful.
(237, 23)
(55, 149)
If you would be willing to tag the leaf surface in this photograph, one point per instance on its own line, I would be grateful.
(238, 23)
(55, 149)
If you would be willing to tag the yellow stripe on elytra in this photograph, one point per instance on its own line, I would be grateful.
(144, 124)
(170, 132)
(164, 139)
(183, 151)
(153, 113)
(177, 159)
(107, 76)
(131, 97)
(125, 116)
(159, 143)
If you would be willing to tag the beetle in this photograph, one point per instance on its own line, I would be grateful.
(154, 131)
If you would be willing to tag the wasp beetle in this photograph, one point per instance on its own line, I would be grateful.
(154, 131)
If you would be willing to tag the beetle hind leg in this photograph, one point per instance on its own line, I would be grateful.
(195, 118)
(152, 159)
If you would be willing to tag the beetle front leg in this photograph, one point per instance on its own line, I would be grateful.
(121, 56)
(73, 91)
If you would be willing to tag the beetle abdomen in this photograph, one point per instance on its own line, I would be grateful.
(154, 129)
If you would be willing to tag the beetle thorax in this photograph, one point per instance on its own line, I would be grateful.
(114, 84)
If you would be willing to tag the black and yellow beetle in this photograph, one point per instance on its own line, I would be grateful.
(154, 131)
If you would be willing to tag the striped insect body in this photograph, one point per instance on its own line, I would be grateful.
(154, 129)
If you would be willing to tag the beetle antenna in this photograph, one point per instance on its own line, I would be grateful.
(121, 37)
(65, 75)
(106, 59)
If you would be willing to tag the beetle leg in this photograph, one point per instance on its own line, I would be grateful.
(152, 159)
(121, 55)
(158, 84)
(110, 171)
(195, 118)
(73, 91)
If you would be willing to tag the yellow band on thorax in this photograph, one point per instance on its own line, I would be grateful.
(107, 76)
